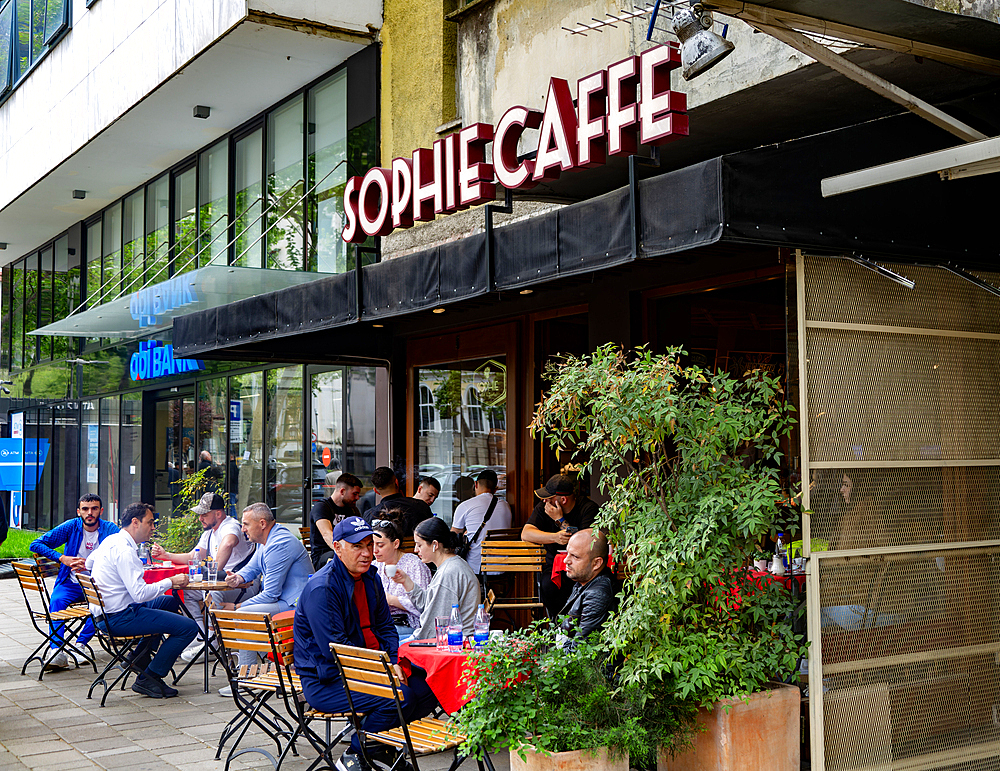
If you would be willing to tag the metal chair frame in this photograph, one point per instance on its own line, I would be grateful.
(117, 646)
(31, 578)
(370, 672)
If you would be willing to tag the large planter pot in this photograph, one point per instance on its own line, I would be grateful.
(762, 735)
(575, 760)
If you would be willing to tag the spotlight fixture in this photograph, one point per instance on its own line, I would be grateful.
(3, 245)
(527, 291)
(202, 111)
(79, 194)
(438, 310)
(701, 48)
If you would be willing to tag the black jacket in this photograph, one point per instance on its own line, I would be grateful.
(588, 607)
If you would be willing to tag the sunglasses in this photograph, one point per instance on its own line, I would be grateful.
(381, 523)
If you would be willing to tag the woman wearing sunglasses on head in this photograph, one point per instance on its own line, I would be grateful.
(388, 557)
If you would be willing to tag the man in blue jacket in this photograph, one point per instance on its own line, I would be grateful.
(80, 537)
(345, 603)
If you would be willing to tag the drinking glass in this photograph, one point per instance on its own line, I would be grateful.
(441, 630)
(211, 570)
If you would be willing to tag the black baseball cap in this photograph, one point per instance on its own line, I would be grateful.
(560, 484)
(209, 502)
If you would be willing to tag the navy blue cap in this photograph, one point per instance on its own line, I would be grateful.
(352, 530)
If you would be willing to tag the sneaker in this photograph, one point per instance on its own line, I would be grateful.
(166, 690)
(59, 661)
(226, 690)
(192, 652)
(350, 762)
(149, 686)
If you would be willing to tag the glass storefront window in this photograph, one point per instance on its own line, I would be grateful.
(5, 321)
(246, 440)
(157, 230)
(133, 265)
(111, 271)
(213, 408)
(327, 424)
(462, 418)
(249, 199)
(327, 167)
(284, 443)
(359, 433)
(185, 221)
(94, 264)
(213, 177)
(91, 451)
(30, 309)
(285, 186)
(65, 293)
(45, 301)
(17, 315)
(109, 453)
(130, 466)
(64, 458)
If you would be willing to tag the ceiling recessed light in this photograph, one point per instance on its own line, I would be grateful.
(526, 291)
(377, 326)
(438, 310)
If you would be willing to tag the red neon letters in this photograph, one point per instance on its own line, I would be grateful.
(628, 104)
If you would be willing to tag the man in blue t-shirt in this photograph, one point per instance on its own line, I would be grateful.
(80, 537)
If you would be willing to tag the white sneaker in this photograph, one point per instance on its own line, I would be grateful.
(59, 661)
(192, 652)
(226, 690)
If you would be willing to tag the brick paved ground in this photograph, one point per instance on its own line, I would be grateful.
(52, 725)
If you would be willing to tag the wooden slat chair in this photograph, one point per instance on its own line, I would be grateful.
(36, 599)
(306, 534)
(252, 685)
(407, 544)
(514, 557)
(49, 568)
(504, 534)
(119, 647)
(370, 672)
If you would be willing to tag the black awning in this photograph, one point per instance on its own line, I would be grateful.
(767, 196)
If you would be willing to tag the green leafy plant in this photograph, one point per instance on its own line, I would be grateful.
(528, 694)
(689, 460)
(179, 532)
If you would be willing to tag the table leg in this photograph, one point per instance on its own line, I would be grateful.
(207, 636)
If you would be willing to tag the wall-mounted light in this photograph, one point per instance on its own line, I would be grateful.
(79, 194)
(202, 111)
(527, 291)
(701, 48)
(3, 245)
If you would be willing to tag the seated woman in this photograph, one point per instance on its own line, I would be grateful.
(405, 614)
(453, 582)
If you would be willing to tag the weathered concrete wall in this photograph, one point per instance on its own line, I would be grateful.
(983, 9)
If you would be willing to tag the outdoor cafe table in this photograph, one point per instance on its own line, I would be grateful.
(444, 673)
(159, 572)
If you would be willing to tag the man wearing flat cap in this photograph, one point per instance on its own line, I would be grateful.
(560, 512)
(222, 541)
(345, 603)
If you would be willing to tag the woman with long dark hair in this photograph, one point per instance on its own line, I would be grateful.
(389, 558)
(453, 582)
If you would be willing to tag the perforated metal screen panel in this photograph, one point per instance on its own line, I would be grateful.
(901, 446)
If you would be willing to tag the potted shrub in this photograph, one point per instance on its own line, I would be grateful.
(556, 708)
(689, 461)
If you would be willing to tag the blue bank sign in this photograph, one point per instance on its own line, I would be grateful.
(155, 359)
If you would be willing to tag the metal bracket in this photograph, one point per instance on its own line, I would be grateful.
(883, 271)
(962, 273)
(491, 255)
(634, 161)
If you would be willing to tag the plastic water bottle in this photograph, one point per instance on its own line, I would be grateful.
(455, 630)
(194, 572)
(481, 627)
(144, 553)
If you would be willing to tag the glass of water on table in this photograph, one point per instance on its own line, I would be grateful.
(211, 571)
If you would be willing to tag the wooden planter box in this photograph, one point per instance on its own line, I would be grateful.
(575, 760)
(762, 735)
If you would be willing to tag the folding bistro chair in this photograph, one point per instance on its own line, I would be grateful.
(514, 557)
(369, 672)
(36, 593)
(252, 684)
(119, 647)
(305, 534)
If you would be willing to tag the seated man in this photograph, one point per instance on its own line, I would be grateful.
(593, 596)
(222, 541)
(414, 511)
(133, 607)
(470, 516)
(559, 513)
(345, 603)
(327, 513)
(428, 490)
(80, 537)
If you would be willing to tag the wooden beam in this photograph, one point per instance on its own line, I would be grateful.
(749, 12)
(879, 85)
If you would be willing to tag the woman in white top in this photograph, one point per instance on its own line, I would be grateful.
(454, 581)
(388, 553)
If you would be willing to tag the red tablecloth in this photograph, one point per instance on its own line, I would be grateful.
(786, 579)
(444, 673)
(159, 572)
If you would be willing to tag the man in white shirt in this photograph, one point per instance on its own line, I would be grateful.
(133, 607)
(470, 514)
(222, 541)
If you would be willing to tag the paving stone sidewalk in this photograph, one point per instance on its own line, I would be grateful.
(52, 725)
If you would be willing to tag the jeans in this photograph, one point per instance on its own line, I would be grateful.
(193, 599)
(63, 595)
(418, 702)
(153, 620)
(250, 657)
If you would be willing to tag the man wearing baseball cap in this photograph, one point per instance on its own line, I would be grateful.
(345, 603)
(560, 512)
(222, 541)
